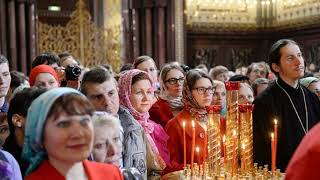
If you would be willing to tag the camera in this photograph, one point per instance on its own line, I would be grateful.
(72, 73)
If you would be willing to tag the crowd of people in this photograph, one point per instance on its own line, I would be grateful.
(65, 121)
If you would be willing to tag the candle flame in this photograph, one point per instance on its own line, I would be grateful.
(275, 121)
(193, 125)
(205, 127)
(234, 132)
(183, 124)
(272, 136)
(197, 149)
(224, 138)
(243, 146)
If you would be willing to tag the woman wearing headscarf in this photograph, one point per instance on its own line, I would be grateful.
(44, 76)
(312, 83)
(59, 138)
(169, 102)
(197, 95)
(136, 94)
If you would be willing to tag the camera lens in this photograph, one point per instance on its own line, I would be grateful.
(72, 72)
(76, 71)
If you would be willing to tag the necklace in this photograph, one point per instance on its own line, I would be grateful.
(295, 110)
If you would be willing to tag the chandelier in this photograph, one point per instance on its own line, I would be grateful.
(248, 13)
(220, 11)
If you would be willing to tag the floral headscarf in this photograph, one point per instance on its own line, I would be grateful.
(125, 82)
(200, 113)
(150, 127)
(33, 150)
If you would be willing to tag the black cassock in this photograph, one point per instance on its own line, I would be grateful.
(274, 103)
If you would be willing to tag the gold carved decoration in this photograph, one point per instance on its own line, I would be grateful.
(83, 39)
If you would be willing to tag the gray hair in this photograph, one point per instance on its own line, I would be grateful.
(104, 119)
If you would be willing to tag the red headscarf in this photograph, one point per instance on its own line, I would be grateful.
(41, 69)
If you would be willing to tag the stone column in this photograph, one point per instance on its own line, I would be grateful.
(126, 40)
(148, 28)
(32, 46)
(161, 37)
(3, 28)
(12, 55)
(22, 35)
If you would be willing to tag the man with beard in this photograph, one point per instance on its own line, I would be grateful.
(294, 106)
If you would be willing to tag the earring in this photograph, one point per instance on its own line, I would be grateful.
(19, 124)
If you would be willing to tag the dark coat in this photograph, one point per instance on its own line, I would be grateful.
(274, 103)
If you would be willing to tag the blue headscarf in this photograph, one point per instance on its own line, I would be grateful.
(33, 150)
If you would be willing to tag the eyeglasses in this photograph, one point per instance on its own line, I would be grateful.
(203, 90)
(173, 81)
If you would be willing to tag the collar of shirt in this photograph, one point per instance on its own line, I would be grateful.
(288, 88)
(4, 108)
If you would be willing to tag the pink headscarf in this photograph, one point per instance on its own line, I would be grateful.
(151, 129)
(125, 82)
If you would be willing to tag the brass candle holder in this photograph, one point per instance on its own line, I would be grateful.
(238, 142)
(231, 121)
(246, 141)
(214, 139)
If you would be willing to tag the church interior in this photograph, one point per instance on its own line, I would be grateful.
(194, 88)
(232, 33)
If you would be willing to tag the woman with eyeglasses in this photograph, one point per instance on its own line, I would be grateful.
(169, 101)
(197, 95)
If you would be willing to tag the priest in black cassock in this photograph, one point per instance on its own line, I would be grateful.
(296, 108)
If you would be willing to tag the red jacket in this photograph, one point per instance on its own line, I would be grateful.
(94, 171)
(161, 112)
(174, 129)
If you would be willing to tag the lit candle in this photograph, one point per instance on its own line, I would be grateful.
(244, 157)
(275, 139)
(234, 139)
(273, 167)
(184, 145)
(224, 149)
(205, 149)
(198, 155)
(205, 143)
(193, 144)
